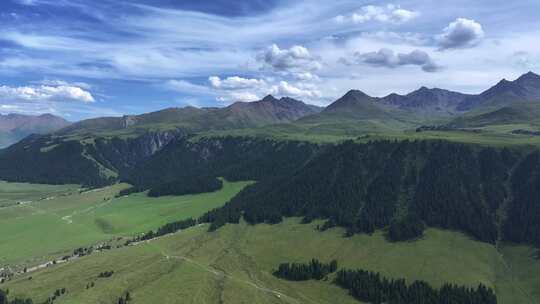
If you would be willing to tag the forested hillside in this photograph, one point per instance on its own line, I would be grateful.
(364, 187)
(92, 161)
(234, 158)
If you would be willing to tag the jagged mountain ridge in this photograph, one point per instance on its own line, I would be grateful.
(526, 88)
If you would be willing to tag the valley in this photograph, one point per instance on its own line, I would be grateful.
(434, 185)
(269, 152)
(46, 229)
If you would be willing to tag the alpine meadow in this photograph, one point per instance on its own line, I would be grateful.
(224, 152)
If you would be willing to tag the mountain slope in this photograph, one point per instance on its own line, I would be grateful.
(517, 113)
(524, 89)
(429, 101)
(100, 151)
(14, 127)
(364, 187)
(238, 115)
(356, 113)
(171, 116)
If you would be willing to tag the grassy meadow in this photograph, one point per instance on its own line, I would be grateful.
(234, 265)
(67, 219)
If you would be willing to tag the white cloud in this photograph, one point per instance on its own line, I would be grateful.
(388, 58)
(296, 59)
(236, 88)
(385, 14)
(306, 76)
(231, 97)
(287, 89)
(57, 93)
(462, 33)
(235, 82)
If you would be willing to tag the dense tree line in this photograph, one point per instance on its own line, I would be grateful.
(128, 191)
(165, 229)
(364, 187)
(314, 270)
(106, 274)
(408, 228)
(199, 184)
(371, 287)
(522, 224)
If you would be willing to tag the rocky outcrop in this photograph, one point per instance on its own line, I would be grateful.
(123, 154)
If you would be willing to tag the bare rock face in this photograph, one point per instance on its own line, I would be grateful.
(129, 121)
(121, 155)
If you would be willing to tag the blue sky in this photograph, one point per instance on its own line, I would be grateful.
(87, 58)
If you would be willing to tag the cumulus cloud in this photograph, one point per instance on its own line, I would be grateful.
(299, 91)
(386, 14)
(388, 58)
(235, 82)
(462, 33)
(296, 59)
(58, 93)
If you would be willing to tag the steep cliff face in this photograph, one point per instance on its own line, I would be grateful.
(123, 154)
(88, 161)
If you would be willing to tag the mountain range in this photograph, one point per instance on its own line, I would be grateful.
(104, 150)
(267, 111)
(526, 88)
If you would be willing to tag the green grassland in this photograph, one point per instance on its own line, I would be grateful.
(15, 193)
(234, 265)
(498, 136)
(41, 229)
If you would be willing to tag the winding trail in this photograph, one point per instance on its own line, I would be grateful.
(218, 273)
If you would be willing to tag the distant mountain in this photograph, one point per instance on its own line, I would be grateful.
(354, 101)
(14, 127)
(516, 113)
(170, 116)
(267, 111)
(355, 113)
(427, 100)
(524, 89)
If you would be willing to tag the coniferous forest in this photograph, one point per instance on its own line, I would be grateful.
(403, 187)
(165, 229)
(373, 288)
(314, 270)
